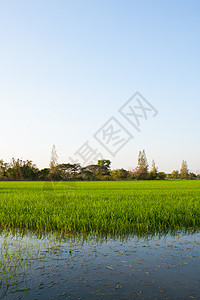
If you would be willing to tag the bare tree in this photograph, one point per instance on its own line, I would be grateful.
(53, 162)
(184, 171)
(142, 167)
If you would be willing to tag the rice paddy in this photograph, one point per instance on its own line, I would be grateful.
(119, 207)
(90, 240)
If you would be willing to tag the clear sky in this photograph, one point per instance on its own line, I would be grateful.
(66, 68)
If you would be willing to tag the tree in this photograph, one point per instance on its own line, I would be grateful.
(53, 163)
(192, 175)
(29, 170)
(44, 174)
(120, 174)
(69, 171)
(15, 169)
(98, 171)
(104, 169)
(3, 169)
(161, 175)
(86, 174)
(175, 174)
(21, 170)
(104, 163)
(154, 171)
(132, 174)
(142, 167)
(184, 171)
(168, 176)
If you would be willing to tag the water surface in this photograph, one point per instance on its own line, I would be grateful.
(166, 267)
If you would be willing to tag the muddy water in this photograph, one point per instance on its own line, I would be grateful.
(165, 267)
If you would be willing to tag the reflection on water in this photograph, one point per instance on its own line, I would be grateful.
(98, 267)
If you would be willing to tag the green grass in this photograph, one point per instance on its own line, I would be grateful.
(101, 207)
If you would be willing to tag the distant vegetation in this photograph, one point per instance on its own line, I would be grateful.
(18, 169)
(116, 207)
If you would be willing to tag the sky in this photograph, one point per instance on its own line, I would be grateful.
(67, 67)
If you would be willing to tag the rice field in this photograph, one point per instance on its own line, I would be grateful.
(116, 207)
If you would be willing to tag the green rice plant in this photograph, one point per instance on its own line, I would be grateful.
(139, 207)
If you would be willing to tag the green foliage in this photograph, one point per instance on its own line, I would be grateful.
(18, 169)
(3, 169)
(86, 174)
(101, 207)
(192, 175)
(154, 171)
(161, 175)
(101, 170)
(44, 174)
(68, 171)
(175, 174)
(104, 163)
(120, 174)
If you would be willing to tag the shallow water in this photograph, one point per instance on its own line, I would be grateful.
(165, 267)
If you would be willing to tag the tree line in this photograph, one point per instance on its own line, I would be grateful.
(18, 169)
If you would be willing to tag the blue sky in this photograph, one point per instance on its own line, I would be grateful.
(66, 67)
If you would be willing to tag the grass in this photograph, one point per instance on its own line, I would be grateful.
(101, 207)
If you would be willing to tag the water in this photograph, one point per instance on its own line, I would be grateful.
(165, 267)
